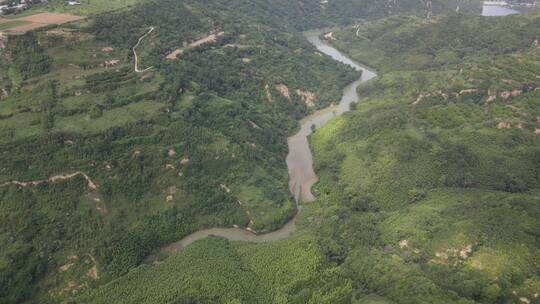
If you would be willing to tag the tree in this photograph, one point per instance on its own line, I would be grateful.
(96, 111)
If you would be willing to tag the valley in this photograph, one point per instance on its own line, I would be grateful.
(299, 161)
(167, 152)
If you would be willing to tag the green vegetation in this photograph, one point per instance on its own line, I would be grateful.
(411, 43)
(35, 9)
(84, 8)
(27, 59)
(10, 24)
(195, 142)
(418, 202)
(428, 189)
(217, 270)
(431, 184)
(308, 14)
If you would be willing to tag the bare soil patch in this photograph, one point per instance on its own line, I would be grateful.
(174, 54)
(308, 97)
(65, 267)
(51, 18)
(204, 40)
(508, 94)
(253, 125)
(24, 27)
(207, 39)
(329, 36)
(503, 125)
(59, 32)
(283, 89)
(40, 20)
(93, 273)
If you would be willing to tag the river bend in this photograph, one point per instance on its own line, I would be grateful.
(299, 160)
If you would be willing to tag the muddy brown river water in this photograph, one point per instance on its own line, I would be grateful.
(299, 160)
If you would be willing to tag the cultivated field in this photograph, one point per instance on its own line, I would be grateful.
(27, 23)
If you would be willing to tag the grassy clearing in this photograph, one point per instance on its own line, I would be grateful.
(71, 71)
(10, 24)
(36, 9)
(89, 7)
(115, 117)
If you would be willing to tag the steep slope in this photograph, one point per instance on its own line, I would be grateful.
(215, 270)
(197, 141)
(418, 202)
(429, 189)
(102, 164)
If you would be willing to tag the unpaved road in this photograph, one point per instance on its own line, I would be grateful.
(53, 179)
(208, 39)
(135, 51)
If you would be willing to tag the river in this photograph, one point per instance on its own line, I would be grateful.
(299, 160)
(497, 10)
(502, 8)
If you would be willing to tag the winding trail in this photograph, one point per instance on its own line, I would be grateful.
(53, 179)
(135, 51)
(299, 160)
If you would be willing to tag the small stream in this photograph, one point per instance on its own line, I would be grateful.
(299, 161)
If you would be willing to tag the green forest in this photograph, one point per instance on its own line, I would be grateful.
(428, 191)
(195, 142)
(434, 176)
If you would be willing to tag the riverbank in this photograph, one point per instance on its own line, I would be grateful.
(299, 160)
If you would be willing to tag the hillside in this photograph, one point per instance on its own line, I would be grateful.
(302, 14)
(146, 121)
(196, 141)
(420, 200)
(434, 177)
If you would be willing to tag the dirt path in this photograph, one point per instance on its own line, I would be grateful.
(53, 179)
(208, 39)
(135, 51)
